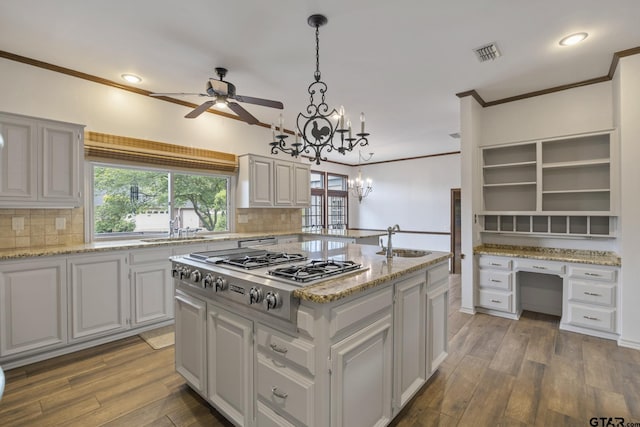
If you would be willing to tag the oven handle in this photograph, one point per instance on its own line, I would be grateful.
(257, 242)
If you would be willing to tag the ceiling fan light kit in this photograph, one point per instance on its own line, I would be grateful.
(317, 128)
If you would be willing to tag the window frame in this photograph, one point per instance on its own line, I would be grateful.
(89, 216)
(325, 193)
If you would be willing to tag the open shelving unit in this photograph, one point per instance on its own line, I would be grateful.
(556, 186)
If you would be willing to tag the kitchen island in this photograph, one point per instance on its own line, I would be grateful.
(363, 343)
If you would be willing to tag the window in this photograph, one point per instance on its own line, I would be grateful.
(329, 202)
(130, 200)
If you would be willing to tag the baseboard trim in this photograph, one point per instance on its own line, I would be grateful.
(629, 344)
(467, 310)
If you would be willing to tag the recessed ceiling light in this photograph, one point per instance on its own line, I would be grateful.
(573, 39)
(131, 78)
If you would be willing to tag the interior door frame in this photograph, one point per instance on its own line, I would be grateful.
(455, 194)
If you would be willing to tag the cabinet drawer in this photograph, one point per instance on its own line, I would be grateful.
(438, 274)
(497, 263)
(496, 300)
(298, 352)
(265, 417)
(149, 255)
(540, 266)
(593, 273)
(496, 279)
(349, 314)
(592, 292)
(286, 391)
(601, 318)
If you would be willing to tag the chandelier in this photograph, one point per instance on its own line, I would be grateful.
(317, 128)
(358, 187)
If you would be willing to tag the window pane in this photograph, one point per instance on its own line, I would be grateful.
(130, 200)
(317, 179)
(337, 215)
(337, 182)
(201, 201)
(312, 216)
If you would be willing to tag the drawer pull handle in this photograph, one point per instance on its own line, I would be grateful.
(282, 350)
(278, 393)
(496, 281)
(539, 267)
(593, 294)
(497, 301)
(592, 274)
(591, 318)
(496, 264)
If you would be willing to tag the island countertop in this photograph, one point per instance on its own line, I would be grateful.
(376, 269)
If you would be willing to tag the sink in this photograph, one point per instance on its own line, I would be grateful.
(406, 253)
(173, 239)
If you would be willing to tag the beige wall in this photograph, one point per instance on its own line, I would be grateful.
(40, 227)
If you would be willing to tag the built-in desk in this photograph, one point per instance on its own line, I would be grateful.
(578, 286)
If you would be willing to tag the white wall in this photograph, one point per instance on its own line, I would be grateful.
(627, 92)
(415, 194)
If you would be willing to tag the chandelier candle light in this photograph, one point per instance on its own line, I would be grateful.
(318, 126)
(359, 187)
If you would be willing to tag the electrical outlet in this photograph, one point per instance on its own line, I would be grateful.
(61, 223)
(17, 223)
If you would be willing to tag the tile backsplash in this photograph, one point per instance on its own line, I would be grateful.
(268, 219)
(41, 227)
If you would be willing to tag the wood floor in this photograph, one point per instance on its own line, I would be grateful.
(499, 372)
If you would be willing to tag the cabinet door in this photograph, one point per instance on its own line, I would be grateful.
(409, 338)
(261, 182)
(302, 181)
(32, 306)
(99, 299)
(60, 163)
(437, 326)
(230, 364)
(18, 159)
(284, 183)
(361, 378)
(190, 347)
(151, 293)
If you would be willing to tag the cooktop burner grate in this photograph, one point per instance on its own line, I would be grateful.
(315, 269)
(267, 259)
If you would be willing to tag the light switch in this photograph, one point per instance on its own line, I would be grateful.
(61, 223)
(17, 223)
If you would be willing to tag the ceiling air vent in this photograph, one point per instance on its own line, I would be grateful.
(487, 52)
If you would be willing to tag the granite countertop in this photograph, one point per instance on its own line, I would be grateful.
(551, 254)
(376, 269)
(111, 245)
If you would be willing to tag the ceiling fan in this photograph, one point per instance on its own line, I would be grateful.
(223, 93)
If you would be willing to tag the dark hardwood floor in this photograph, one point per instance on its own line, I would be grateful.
(499, 372)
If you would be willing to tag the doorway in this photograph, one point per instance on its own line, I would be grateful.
(456, 244)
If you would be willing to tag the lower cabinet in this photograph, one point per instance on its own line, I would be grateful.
(98, 289)
(230, 364)
(190, 347)
(33, 306)
(151, 293)
(437, 326)
(361, 367)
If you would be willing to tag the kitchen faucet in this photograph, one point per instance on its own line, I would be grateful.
(174, 226)
(391, 231)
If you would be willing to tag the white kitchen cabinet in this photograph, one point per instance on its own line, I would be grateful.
(230, 364)
(99, 300)
(362, 373)
(495, 289)
(41, 162)
(265, 182)
(592, 298)
(33, 306)
(409, 337)
(191, 338)
(151, 286)
(437, 317)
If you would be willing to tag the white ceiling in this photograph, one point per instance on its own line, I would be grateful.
(401, 62)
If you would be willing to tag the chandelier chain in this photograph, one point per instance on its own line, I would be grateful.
(317, 73)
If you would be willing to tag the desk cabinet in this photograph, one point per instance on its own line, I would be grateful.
(592, 298)
(495, 289)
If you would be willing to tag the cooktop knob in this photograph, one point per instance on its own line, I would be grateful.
(272, 300)
(196, 275)
(221, 283)
(255, 295)
(185, 272)
(208, 281)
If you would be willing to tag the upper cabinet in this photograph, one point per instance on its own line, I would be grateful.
(265, 182)
(40, 162)
(564, 176)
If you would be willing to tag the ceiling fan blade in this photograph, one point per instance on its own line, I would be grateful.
(259, 101)
(219, 87)
(178, 94)
(244, 114)
(200, 109)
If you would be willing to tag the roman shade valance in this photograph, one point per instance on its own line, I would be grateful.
(105, 147)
